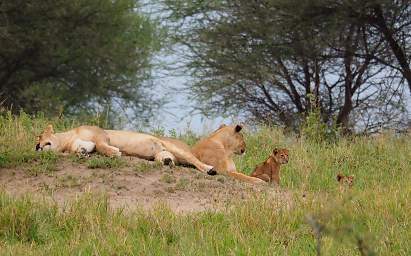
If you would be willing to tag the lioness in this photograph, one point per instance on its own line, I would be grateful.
(114, 143)
(83, 139)
(218, 150)
(269, 170)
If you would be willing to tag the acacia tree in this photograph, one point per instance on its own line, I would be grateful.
(390, 19)
(71, 56)
(276, 60)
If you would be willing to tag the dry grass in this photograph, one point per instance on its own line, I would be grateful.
(371, 218)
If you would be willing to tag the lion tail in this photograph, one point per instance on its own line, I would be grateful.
(245, 178)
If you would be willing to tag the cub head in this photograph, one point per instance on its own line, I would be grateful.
(280, 155)
(47, 140)
(345, 180)
(233, 138)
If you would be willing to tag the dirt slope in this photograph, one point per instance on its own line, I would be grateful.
(138, 184)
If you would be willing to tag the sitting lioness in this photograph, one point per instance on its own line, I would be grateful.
(269, 170)
(218, 150)
(86, 139)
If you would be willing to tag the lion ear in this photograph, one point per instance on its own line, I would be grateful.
(238, 128)
(275, 151)
(221, 126)
(49, 129)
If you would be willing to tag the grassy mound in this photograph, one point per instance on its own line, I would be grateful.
(371, 218)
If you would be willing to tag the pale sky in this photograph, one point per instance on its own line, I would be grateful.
(178, 113)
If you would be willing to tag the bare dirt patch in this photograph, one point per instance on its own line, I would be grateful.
(136, 184)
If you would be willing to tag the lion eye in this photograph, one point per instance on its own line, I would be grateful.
(47, 144)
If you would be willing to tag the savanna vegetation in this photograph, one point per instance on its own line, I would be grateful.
(77, 57)
(277, 60)
(316, 76)
(371, 218)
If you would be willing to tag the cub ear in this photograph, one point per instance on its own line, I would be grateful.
(339, 177)
(49, 129)
(275, 151)
(238, 128)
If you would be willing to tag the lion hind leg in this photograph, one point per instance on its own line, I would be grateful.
(83, 145)
(107, 150)
(83, 148)
(166, 158)
(187, 157)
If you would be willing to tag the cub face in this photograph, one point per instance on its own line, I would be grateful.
(280, 155)
(345, 179)
(47, 140)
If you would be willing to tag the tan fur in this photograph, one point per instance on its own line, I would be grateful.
(269, 170)
(152, 148)
(70, 141)
(218, 150)
(345, 181)
(112, 142)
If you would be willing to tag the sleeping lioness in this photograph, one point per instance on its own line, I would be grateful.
(85, 139)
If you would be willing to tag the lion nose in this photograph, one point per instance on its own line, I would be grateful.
(242, 151)
(38, 147)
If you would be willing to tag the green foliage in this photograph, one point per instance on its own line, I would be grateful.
(316, 130)
(168, 178)
(77, 56)
(146, 166)
(105, 162)
(255, 227)
(25, 221)
(372, 217)
(264, 59)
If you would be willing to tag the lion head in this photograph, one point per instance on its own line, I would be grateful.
(47, 140)
(280, 155)
(345, 179)
(232, 137)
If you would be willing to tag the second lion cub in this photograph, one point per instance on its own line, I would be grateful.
(269, 170)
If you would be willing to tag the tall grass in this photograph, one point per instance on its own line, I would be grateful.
(371, 218)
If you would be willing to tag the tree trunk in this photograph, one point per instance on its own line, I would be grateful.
(399, 52)
(343, 117)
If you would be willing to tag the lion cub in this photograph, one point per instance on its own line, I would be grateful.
(345, 181)
(269, 171)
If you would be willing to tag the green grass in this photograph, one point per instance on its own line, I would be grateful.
(373, 218)
(104, 162)
(146, 166)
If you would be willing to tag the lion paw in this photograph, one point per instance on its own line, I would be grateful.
(212, 172)
(169, 162)
(83, 153)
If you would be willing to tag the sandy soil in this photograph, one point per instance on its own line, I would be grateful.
(139, 184)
